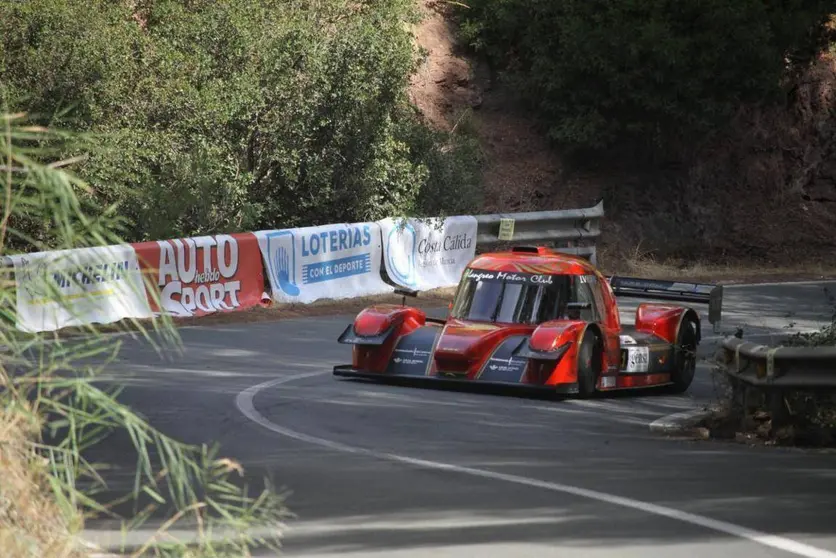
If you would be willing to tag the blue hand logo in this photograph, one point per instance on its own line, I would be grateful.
(284, 262)
(283, 273)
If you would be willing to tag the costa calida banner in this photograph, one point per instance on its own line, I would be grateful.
(428, 253)
(330, 261)
(77, 287)
(205, 274)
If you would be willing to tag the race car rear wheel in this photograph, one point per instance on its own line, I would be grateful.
(685, 359)
(589, 363)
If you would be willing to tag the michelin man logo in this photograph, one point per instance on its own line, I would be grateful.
(281, 246)
(400, 253)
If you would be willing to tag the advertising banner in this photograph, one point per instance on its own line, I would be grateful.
(429, 253)
(204, 274)
(331, 261)
(77, 287)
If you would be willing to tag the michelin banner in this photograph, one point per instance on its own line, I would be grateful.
(429, 253)
(78, 287)
(331, 261)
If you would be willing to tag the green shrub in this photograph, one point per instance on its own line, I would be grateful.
(452, 163)
(600, 72)
(206, 117)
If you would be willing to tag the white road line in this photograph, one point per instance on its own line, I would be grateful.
(244, 402)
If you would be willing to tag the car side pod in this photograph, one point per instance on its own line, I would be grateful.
(552, 351)
(375, 323)
(350, 337)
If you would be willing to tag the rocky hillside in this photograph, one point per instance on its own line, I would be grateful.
(760, 193)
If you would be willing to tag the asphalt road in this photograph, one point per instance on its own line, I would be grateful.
(405, 472)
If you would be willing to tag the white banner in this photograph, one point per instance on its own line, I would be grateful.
(430, 253)
(331, 261)
(78, 287)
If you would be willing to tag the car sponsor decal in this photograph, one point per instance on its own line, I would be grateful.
(412, 354)
(646, 359)
(509, 277)
(635, 359)
(501, 366)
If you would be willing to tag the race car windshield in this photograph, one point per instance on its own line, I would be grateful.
(510, 297)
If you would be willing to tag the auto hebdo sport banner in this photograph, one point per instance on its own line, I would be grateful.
(205, 274)
(429, 253)
(331, 261)
(78, 287)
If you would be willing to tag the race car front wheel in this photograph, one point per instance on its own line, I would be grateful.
(589, 363)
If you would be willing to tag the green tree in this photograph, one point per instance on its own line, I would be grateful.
(207, 117)
(646, 71)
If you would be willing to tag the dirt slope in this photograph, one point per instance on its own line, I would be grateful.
(452, 89)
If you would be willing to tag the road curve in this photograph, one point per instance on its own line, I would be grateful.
(404, 472)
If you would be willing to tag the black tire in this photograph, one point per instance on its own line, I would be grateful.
(589, 363)
(685, 357)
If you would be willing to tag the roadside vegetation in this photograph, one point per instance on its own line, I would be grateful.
(708, 127)
(645, 73)
(212, 117)
(54, 414)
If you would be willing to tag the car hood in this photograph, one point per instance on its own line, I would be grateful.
(463, 344)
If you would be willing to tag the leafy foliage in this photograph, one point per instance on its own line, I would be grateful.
(826, 336)
(643, 70)
(49, 390)
(452, 167)
(204, 117)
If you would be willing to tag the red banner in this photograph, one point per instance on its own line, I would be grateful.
(203, 275)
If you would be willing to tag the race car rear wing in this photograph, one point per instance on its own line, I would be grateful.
(679, 291)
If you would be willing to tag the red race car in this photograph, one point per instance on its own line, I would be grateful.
(537, 318)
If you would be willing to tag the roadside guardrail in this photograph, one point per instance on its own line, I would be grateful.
(781, 380)
(779, 368)
(564, 228)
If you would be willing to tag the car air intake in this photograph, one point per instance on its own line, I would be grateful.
(527, 249)
(455, 364)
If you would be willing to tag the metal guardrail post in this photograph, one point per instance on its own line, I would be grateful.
(769, 367)
(560, 227)
(764, 377)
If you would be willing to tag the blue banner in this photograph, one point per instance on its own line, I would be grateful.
(331, 261)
